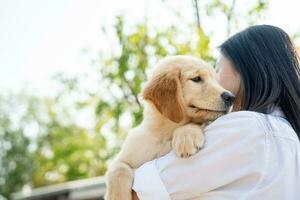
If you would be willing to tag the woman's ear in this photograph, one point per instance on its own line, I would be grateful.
(164, 91)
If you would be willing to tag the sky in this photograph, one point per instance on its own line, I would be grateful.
(40, 38)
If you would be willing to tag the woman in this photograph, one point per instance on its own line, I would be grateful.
(253, 152)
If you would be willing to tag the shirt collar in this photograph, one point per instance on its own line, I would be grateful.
(277, 111)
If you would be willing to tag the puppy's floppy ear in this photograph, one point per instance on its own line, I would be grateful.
(164, 91)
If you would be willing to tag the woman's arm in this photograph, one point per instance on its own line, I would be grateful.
(234, 153)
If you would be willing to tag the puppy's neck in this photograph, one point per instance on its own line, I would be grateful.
(158, 124)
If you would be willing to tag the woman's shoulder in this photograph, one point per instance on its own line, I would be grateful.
(244, 121)
(249, 124)
(241, 115)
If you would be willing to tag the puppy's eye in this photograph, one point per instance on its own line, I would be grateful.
(197, 79)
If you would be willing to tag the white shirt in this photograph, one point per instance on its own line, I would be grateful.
(247, 155)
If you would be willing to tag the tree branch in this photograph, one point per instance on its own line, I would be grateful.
(197, 12)
(229, 17)
(133, 93)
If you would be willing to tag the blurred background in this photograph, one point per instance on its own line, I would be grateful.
(71, 72)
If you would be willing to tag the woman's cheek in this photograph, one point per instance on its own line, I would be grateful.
(225, 81)
(229, 81)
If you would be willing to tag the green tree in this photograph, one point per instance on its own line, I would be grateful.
(15, 156)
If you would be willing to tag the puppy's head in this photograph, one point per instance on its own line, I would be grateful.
(184, 87)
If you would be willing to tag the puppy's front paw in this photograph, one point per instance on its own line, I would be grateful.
(188, 140)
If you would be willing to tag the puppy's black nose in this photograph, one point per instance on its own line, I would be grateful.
(227, 98)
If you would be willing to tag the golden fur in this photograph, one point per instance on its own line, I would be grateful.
(178, 104)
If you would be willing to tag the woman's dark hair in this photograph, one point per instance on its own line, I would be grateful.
(268, 64)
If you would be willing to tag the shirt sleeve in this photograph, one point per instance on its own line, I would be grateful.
(233, 158)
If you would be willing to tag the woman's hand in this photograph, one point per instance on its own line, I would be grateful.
(134, 196)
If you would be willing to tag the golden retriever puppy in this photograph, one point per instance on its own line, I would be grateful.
(180, 98)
